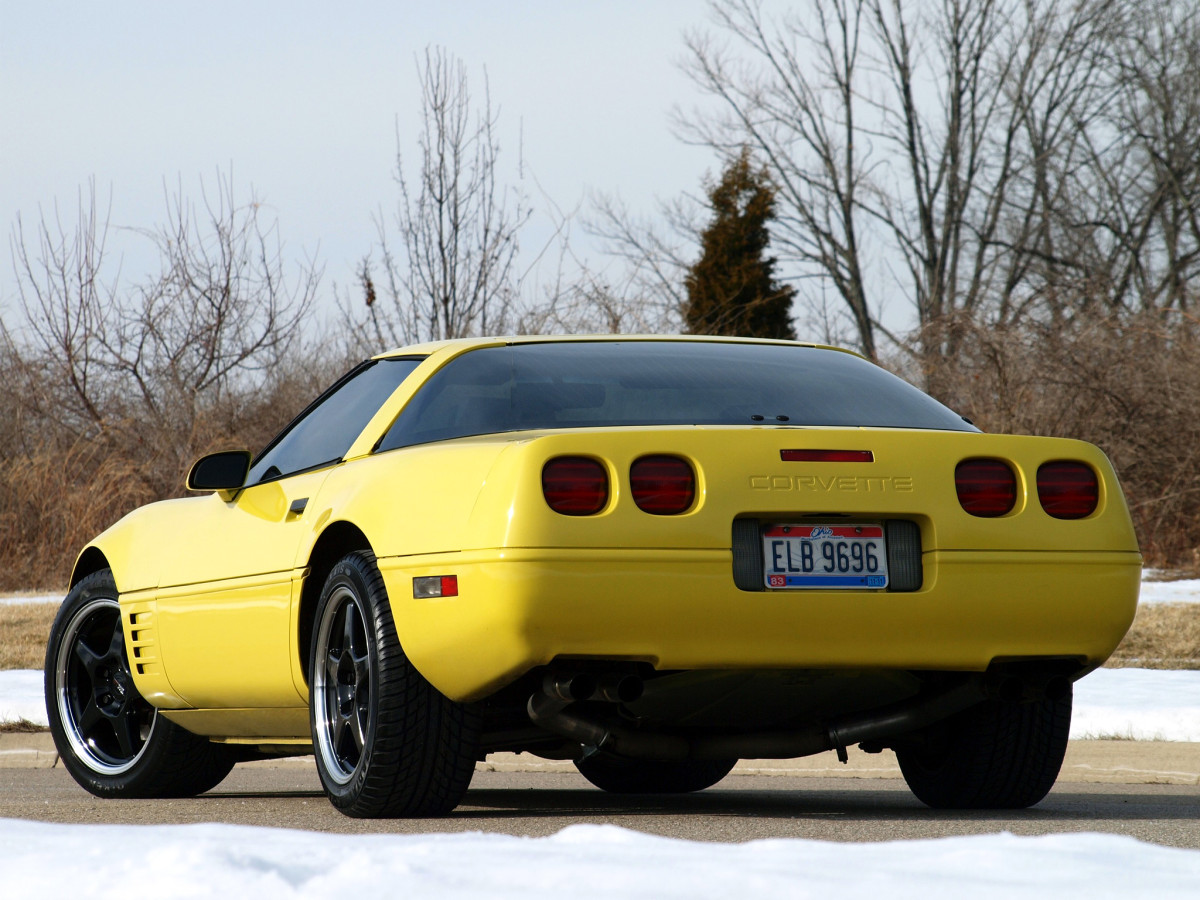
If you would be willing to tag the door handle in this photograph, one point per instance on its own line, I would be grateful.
(297, 506)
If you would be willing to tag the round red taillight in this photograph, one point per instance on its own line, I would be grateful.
(662, 485)
(575, 485)
(986, 487)
(1068, 490)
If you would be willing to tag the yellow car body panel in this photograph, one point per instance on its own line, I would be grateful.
(525, 608)
(538, 585)
(212, 586)
(218, 576)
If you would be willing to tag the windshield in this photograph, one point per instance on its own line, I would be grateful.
(617, 383)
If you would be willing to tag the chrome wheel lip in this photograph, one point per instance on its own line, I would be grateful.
(80, 746)
(328, 695)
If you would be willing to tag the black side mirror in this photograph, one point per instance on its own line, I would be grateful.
(224, 471)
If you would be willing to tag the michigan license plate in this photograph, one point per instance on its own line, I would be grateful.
(825, 556)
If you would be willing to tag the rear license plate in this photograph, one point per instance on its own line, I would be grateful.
(825, 556)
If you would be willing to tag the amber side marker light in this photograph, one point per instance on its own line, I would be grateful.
(575, 485)
(662, 485)
(849, 456)
(426, 587)
(986, 487)
(1068, 490)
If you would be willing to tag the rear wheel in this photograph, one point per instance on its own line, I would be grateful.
(992, 756)
(387, 742)
(619, 775)
(112, 741)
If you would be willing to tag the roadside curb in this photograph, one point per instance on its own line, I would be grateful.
(1103, 762)
(20, 750)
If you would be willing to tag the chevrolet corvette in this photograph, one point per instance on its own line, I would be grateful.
(653, 556)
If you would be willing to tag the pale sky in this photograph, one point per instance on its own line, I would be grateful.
(302, 100)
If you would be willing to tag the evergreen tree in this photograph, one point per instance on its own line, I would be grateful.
(731, 288)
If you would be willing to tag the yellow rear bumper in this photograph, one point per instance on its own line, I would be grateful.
(679, 609)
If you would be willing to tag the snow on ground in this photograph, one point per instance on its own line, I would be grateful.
(14, 599)
(1137, 704)
(581, 862)
(1187, 591)
(21, 696)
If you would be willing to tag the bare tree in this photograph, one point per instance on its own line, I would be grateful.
(63, 300)
(796, 110)
(1133, 220)
(655, 254)
(221, 308)
(150, 363)
(451, 269)
(913, 141)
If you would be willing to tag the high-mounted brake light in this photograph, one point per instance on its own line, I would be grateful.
(827, 456)
(662, 485)
(575, 485)
(986, 487)
(1068, 490)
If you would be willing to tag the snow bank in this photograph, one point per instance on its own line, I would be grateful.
(1137, 704)
(581, 862)
(15, 599)
(21, 696)
(1170, 591)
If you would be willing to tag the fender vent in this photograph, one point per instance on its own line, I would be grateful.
(139, 624)
(905, 573)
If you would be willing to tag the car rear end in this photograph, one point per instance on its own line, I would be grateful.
(757, 547)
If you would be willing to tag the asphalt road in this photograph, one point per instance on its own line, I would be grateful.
(740, 808)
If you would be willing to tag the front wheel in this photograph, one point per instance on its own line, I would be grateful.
(387, 742)
(112, 741)
(992, 756)
(620, 775)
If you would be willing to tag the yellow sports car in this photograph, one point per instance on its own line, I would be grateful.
(652, 556)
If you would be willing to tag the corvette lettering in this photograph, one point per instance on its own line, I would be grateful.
(862, 484)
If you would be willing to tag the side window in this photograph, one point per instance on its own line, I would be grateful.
(323, 433)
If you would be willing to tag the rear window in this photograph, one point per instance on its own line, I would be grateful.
(615, 383)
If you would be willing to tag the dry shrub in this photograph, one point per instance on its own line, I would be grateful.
(1132, 387)
(24, 630)
(1163, 636)
(58, 490)
(52, 502)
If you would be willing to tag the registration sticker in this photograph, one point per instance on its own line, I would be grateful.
(825, 556)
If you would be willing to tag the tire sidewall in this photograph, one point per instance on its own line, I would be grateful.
(98, 586)
(621, 775)
(992, 756)
(352, 574)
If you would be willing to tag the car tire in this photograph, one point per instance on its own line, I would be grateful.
(108, 737)
(387, 743)
(620, 775)
(992, 756)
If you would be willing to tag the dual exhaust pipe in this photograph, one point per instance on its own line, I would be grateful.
(549, 710)
(611, 687)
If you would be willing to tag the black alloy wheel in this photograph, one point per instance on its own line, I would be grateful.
(387, 742)
(109, 738)
(341, 683)
(107, 723)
